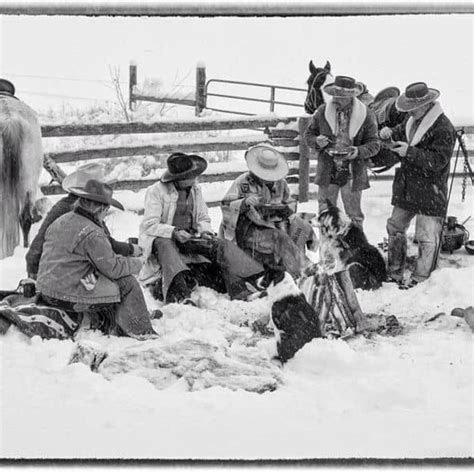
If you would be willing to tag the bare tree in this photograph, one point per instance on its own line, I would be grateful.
(115, 77)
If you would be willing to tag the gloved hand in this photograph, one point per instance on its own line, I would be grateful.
(385, 133)
(252, 201)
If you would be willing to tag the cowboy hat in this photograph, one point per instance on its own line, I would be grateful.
(96, 191)
(266, 163)
(387, 93)
(84, 173)
(343, 86)
(416, 95)
(182, 166)
(7, 86)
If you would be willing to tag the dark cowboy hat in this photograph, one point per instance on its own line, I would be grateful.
(7, 86)
(387, 93)
(96, 191)
(416, 95)
(343, 86)
(182, 166)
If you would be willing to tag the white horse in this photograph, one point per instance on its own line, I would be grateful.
(21, 162)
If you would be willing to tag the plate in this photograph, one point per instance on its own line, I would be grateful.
(339, 153)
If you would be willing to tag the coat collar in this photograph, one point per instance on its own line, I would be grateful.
(359, 113)
(426, 123)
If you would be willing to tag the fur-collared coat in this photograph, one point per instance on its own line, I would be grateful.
(421, 182)
(160, 207)
(364, 134)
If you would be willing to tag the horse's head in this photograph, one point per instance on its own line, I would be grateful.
(319, 76)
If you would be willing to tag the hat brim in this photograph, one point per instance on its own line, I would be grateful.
(387, 93)
(337, 91)
(80, 192)
(199, 166)
(267, 174)
(404, 104)
(70, 181)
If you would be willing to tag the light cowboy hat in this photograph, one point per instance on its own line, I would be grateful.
(266, 163)
(344, 86)
(96, 191)
(182, 166)
(416, 95)
(83, 174)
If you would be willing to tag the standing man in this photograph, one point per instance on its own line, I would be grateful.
(344, 132)
(420, 187)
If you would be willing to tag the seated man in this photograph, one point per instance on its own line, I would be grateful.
(80, 272)
(179, 243)
(259, 214)
(77, 178)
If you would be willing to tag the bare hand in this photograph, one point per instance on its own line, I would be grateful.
(322, 141)
(354, 153)
(208, 235)
(89, 282)
(252, 200)
(385, 133)
(181, 236)
(137, 250)
(400, 149)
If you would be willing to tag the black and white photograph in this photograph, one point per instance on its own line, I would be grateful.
(237, 232)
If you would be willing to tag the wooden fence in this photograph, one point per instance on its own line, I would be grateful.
(286, 139)
(282, 132)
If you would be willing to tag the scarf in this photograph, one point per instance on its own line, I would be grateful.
(358, 115)
(426, 123)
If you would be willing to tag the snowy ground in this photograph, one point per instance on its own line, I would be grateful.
(406, 396)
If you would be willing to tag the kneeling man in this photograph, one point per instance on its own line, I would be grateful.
(179, 242)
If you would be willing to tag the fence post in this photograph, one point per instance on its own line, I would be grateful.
(272, 99)
(132, 81)
(304, 163)
(200, 88)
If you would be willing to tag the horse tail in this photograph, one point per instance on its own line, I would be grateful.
(12, 193)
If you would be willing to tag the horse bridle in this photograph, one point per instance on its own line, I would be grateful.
(311, 97)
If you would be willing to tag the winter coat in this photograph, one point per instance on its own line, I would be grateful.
(421, 182)
(75, 246)
(63, 206)
(233, 205)
(160, 207)
(364, 134)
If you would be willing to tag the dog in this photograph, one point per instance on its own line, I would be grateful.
(344, 246)
(295, 321)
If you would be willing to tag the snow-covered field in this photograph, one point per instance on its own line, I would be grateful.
(384, 397)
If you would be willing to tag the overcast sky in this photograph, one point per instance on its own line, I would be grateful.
(48, 57)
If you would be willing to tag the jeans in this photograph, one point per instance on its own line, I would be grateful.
(428, 231)
(351, 200)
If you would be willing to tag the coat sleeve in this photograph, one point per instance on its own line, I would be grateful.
(203, 220)
(151, 223)
(436, 155)
(370, 144)
(312, 131)
(101, 255)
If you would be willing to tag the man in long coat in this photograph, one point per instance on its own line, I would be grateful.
(420, 188)
(344, 132)
(178, 241)
(259, 213)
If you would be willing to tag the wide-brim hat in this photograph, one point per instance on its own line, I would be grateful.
(416, 95)
(84, 173)
(387, 93)
(7, 86)
(344, 86)
(182, 166)
(266, 163)
(96, 191)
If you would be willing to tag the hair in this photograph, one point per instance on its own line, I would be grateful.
(92, 207)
